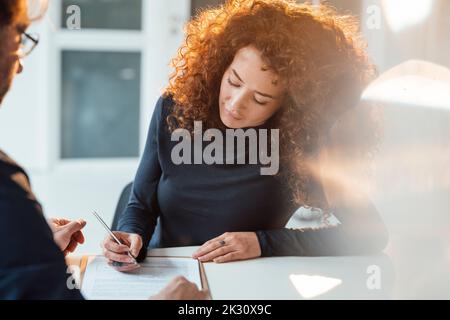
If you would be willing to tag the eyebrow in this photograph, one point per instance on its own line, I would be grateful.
(260, 93)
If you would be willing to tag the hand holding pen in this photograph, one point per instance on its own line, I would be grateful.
(121, 248)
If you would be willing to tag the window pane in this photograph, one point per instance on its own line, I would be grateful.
(353, 7)
(197, 5)
(106, 14)
(100, 104)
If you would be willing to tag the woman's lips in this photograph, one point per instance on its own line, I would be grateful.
(228, 113)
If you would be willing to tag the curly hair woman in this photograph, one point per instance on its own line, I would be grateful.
(259, 64)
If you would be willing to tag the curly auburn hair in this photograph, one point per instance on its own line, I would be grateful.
(319, 54)
(11, 9)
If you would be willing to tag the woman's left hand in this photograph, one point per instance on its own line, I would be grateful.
(230, 246)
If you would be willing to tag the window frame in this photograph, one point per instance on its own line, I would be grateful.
(156, 42)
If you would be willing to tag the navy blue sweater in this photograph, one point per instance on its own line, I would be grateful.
(31, 264)
(195, 203)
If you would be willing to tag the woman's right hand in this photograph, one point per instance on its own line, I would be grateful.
(115, 252)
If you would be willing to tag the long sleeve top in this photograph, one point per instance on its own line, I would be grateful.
(197, 202)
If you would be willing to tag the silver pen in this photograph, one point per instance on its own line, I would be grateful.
(112, 234)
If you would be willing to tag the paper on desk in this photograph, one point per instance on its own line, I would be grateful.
(101, 281)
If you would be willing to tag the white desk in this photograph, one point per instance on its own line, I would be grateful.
(273, 278)
(290, 278)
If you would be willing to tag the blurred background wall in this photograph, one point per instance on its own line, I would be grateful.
(77, 118)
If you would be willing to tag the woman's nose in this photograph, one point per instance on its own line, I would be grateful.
(234, 109)
(19, 66)
(237, 103)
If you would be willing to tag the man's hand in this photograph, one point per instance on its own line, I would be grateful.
(229, 246)
(67, 234)
(181, 289)
(115, 252)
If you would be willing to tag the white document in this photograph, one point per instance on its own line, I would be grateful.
(101, 281)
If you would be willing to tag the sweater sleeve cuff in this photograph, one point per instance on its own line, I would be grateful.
(128, 228)
(264, 244)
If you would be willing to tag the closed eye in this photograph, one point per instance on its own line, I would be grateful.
(233, 84)
(260, 103)
(238, 86)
